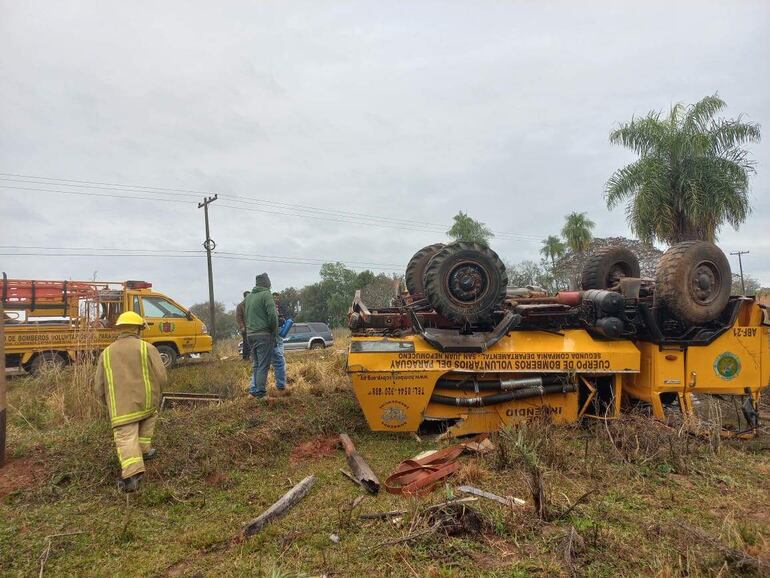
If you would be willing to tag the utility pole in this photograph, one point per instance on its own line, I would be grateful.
(740, 266)
(209, 245)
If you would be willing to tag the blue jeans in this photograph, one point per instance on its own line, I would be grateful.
(261, 346)
(279, 364)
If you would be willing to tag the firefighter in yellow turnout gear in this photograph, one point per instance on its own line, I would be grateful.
(129, 378)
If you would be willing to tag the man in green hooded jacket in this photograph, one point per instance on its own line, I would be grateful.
(261, 332)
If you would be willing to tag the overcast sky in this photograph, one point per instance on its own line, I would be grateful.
(396, 110)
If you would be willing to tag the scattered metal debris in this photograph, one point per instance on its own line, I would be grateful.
(396, 513)
(362, 473)
(422, 475)
(480, 445)
(351, 477)
(174, 399)
(507, 501)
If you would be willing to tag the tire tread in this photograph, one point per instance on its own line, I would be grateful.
(667, 289)
(593, 270)
(435, 292)
(415, 270)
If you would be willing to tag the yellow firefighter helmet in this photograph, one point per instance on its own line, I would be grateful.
(129, 318)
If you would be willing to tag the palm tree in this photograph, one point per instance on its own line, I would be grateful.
(552, 249)
(692, 175)
(577, 232)
(470, 230)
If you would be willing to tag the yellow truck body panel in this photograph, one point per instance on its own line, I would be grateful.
(395, 378)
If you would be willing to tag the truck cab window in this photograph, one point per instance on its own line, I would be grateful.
(159, 307)
(137, 307)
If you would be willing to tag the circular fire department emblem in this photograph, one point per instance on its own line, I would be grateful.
(727, 365)
(393, 414)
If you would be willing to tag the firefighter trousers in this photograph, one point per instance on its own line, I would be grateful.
(131, 441)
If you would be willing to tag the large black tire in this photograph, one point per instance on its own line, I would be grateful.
(693, 281)
(466, 282)
(47, 361)
(168, 355)
(607, 266)
(415, 270)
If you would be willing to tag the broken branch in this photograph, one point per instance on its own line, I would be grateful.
(278, 509)
(740, 559)
(580, 500)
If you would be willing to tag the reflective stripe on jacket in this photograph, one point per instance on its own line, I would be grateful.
(129, 377)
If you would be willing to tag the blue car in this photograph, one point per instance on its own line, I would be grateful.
(308, 336)
(311, 335)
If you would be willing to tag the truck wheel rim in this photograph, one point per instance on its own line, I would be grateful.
(616, 273)
(467, 282)
(165, 358)
(705, 283)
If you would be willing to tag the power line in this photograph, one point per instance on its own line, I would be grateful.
(196, 193)
(341, 216)
(336, 220)
(310, 259)
(141, 198)
(265, 259)
(194, 253)
(235, 197)
(144, 198)
(85, 194)
(100, 249)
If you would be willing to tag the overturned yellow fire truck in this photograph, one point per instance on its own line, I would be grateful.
(463, 351)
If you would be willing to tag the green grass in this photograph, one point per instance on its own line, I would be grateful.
(221, 466)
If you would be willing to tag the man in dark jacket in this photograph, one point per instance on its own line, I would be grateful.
(261, 332)
(240, 320)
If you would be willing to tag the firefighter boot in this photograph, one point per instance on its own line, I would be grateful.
(130, 484)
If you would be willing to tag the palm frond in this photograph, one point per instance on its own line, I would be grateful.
(726, 134)
(625, 182)
(702, 112)
(675, 115)
(641, 135)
